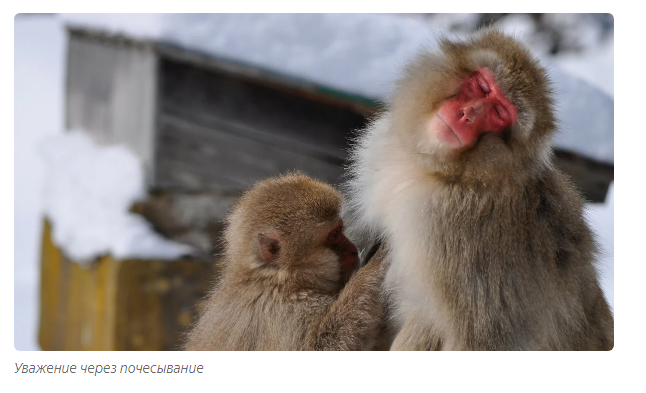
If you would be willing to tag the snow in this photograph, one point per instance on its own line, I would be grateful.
(601, 218)
(360, 54)
(39, 81)
(522, 27)
(89, 191)
(592, 65)
(38, 90)
(454, 22)
(586, 117)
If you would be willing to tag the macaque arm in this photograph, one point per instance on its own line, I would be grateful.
(416, 336)
(354, 319)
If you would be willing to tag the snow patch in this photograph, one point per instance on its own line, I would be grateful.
(88, 193)
(601, 218)
(586, 116)
(595, 65)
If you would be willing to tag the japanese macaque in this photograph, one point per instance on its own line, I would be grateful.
(487, 245)
(289, 280)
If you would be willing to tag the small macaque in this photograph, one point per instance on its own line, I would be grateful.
(290, 279)
(487, 245)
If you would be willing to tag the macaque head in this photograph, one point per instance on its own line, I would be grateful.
(288, 227)
(475, 108)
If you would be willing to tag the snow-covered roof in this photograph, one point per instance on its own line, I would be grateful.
(355, 53)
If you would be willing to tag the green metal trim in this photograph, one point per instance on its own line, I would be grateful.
(346, 96)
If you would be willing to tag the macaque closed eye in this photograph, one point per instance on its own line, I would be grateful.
(335, 234)
(495, 108)
(484, 87)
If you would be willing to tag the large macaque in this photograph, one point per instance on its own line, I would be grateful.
(488, 247)
(289, 281)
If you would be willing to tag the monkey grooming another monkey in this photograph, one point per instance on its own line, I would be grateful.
(288, 281)
(488, 246)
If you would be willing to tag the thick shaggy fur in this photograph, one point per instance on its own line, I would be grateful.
(300, 302)
(489, 249)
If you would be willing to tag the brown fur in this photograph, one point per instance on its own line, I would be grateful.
(299, 303)
(489, 247)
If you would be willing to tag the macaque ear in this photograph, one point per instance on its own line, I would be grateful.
(269, 243)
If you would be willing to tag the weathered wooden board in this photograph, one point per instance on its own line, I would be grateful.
(198, 157)
(591, 178)
(196, 219)
(278, 113)
(218, 131)
(117, 305)
(111, 93)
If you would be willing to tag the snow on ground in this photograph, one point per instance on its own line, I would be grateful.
(357, 53)
(89, 191)
(39, 81)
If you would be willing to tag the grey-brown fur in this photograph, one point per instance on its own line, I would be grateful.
(489, 249)
(299, 303)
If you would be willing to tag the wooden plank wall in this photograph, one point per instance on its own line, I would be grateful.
(221, 132)
(591, 177)
(111, 93)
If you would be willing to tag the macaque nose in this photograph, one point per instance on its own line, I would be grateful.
(470, 112)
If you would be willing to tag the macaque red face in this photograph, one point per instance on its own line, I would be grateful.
(345, 249)
(479, 107)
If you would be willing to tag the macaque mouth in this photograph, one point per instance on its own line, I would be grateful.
(447, 127)
(345, 250)
(342, 245)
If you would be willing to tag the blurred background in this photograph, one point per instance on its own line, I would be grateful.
(134, 134)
